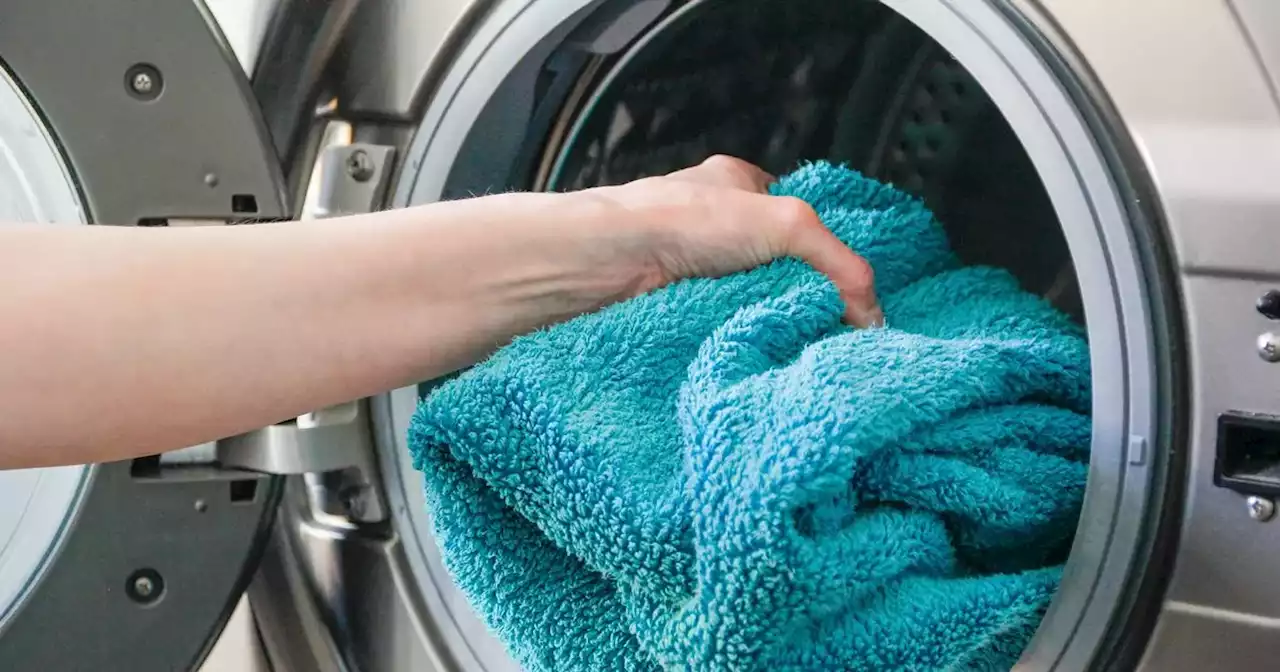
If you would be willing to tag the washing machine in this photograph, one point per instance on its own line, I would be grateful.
(1121, 158)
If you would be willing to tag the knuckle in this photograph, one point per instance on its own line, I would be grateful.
(793, 224)
(723, 161)
(866, 274)
(796, 214)
(858, 275)
(737, 168)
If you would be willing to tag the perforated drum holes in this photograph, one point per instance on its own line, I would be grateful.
(941, 96)
(855, 84)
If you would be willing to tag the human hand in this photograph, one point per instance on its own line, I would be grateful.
(717, 218)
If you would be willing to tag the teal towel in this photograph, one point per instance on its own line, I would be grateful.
(718, 475)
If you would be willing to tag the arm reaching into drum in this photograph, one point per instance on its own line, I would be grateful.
(120, 342)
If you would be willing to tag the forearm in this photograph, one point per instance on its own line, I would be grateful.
(121, 342)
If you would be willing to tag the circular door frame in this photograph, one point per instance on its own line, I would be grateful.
(1091, 190)
(184, 143)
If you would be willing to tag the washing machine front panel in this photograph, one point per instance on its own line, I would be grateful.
(1211, 140)
(1259, 20)
(126, 113)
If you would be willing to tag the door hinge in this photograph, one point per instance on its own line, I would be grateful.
(331, 448)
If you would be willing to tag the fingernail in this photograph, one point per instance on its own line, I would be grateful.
(867, 318)
(875, 318)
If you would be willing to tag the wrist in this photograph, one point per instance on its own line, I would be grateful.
(617, 247)
(541, 258)
(581, 246)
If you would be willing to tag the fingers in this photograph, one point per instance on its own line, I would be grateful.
(792, 229)
(803, 235)
(727, 172)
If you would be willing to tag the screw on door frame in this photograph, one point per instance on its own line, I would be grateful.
(1269, 347)
(359, 166)
(145, 586)
(143, 82)
(1261, 509)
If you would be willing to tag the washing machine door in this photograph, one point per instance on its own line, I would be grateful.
(133, 114)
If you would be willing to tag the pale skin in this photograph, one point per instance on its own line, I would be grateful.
(122, 342)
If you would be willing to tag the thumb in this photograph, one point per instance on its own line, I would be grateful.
(801, 234)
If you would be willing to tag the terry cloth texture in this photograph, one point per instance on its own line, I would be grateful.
(719, 476)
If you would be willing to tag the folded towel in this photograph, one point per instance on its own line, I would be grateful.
(719, 476)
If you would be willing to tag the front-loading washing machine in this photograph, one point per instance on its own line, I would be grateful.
(1120, 158)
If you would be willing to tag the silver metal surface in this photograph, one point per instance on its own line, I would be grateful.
(1222, 608)
(1211, 140)
(1269, 346)
(245, 23)
(1259, 20)
(298, 44)
(335, 439)
(391, 47)
(142, 83)
(1260, 509)
(325, 440)
(206, 99)
(340, 598)
(353, 178)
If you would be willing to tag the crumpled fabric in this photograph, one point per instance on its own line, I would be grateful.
(719, 475)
